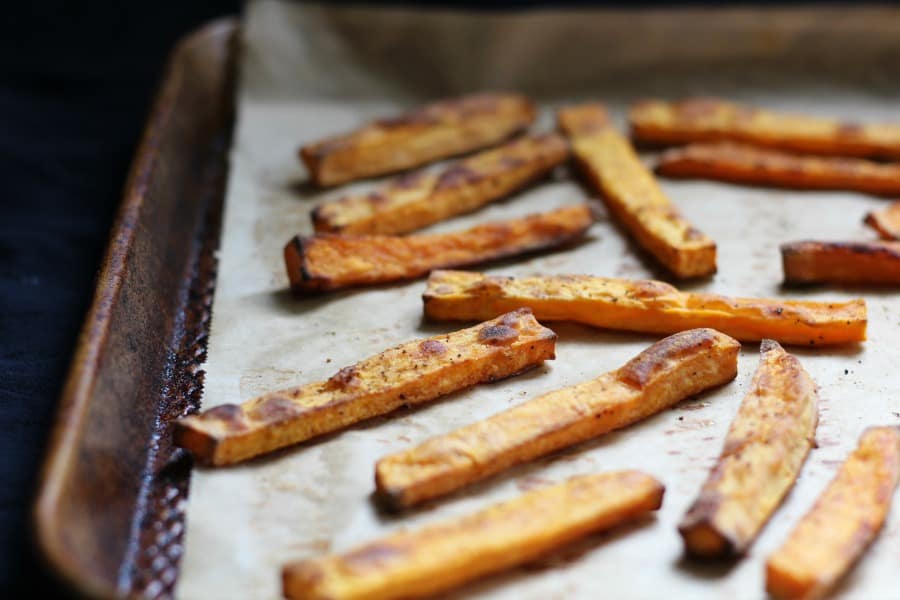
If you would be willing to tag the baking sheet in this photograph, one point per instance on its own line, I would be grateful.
(311, 70)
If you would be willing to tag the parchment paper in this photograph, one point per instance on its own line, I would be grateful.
(309, 71)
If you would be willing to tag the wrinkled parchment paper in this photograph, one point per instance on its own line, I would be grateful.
(309, 71)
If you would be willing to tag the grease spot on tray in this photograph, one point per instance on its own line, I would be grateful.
(255, 382)
(690, 425)
(532, 482)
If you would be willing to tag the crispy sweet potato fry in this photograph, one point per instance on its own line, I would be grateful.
(727, 161)
(711, 119)
(844, 521)
(642, 305)
(330, 262)
(886, 221)
(438, 557)
(667, 372)
(421, 198)
(632, 194)
(429, 133)
(850, 263)
(766, 446)
(412, 373)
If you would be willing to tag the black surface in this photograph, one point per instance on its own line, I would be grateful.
(76, 82)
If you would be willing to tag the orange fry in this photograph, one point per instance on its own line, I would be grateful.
(845, 519)
(764, 451)
(331, 262)
(411, 373)
(664, 374)
(426, 134)
(642, 305)
(727, 161)
(711, 119)
(422, 198)
(842, 262)
(423, 562)
(632, 194)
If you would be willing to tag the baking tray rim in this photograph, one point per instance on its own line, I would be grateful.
(75, 399)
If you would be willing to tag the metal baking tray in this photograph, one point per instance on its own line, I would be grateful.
(111, 514)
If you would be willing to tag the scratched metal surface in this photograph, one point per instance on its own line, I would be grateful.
(309, 71)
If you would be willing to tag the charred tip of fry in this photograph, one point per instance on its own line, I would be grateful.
(307, 155)
(299, 276)
(703, 541)
(201, 444)
(321, 222)
(387, 499)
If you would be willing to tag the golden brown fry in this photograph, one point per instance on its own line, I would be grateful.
(850, 263)
(330, 262)
(766, 446)
(667, 372)
(642, 305)
(432, 132)
(886, 221)
(727, 161)
(420, 563)
(844, 521)
(632, 194)
(713, 120)
(421, 198)
(412, 373)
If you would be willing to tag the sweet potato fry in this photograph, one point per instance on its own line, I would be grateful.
(429, 133)
(632, 194)
(712, 120)
(886, 221)
(844, 521)
(421, 198)
(438, 557)
(667, 372)
(766, 446)
(412, 373)
(642, 305)
(331, 262)
(727, 161)
(852, 263)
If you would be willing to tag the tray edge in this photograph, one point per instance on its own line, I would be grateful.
(76, 395)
